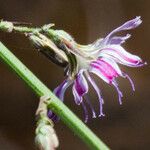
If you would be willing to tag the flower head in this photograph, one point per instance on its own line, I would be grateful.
(100, 58)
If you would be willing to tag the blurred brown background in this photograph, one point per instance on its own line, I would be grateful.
(125, 127)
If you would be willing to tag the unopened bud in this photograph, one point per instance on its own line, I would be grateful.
(6, 26)
(49, 49)
(46, 138)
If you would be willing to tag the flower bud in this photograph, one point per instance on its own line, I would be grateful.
(49, 49)
(6, 26)
(46, 138)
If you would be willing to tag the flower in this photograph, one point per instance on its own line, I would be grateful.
(100, 58)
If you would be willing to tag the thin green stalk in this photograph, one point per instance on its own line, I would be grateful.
(25, 29)
(9, 27)
(66, 115)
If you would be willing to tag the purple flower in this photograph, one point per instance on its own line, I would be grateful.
(100, 58)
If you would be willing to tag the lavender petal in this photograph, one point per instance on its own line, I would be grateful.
(95, 70)
(131, 24)
(101, 101)
(119, 39)
(120, 55)
(80, 87)
(59, 92)
(85, 112)
(130, 80)
(120, 95)
(91, 107)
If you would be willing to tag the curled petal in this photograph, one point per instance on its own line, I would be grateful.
(113, 65)
(131, 24)
(91, 106)
(105, 68)
(111, 39)
(119, 39)
(109, 81)
(80, 87)
(85, 112)
(101, 101)
(59, 92)
(120, 55)
(130, 80)
(95, 69)
(120, 95)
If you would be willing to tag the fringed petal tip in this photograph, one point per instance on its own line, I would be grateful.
(133, 23)
(141, 63)
(101, 115)
(145, 63)
(118, 40)
(139, 20)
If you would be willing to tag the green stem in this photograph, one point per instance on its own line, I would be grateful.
(66, 115)
(25, 29)
(9, 27)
